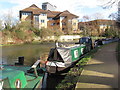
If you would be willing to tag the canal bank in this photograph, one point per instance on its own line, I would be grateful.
(101, 71)
(61, 38)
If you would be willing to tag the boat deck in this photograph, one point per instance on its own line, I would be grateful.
(11, 72)
(20, 68)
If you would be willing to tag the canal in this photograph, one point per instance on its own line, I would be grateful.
(31, 52)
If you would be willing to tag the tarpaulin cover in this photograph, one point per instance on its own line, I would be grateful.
(66, 54)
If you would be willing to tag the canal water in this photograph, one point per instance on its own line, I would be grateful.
(31, 52)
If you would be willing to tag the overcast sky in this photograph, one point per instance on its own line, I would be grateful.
(78, 7)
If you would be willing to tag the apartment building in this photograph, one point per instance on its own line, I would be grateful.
(46, 18)
(96, 26)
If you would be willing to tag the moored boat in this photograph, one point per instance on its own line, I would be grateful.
(62, 57)
(13, 76)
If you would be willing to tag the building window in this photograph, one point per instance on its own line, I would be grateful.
(63, 23)
(52, 24)
(63, 29)
(50, 18)
(81, 28)
(62, 18)
(44, 7)
(43, 14)
(69, 20)
(74, 24)
(24, 13)
(36, 18)
(42, 21)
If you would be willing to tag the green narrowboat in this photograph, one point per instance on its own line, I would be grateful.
(12, 76)
(61, 58)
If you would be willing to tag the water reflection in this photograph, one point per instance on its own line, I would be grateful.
(31, 52)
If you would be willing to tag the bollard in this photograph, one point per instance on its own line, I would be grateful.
(20, 61)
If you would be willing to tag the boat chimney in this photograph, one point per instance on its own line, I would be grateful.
(56, 44)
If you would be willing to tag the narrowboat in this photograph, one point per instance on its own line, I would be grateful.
(19, 76)
(62, 57)
(100, 42)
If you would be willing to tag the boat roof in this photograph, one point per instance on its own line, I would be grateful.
(10, 71)
(70, 46)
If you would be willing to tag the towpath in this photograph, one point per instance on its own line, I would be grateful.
(101, 71)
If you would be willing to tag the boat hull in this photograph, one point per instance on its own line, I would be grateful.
(53, 69)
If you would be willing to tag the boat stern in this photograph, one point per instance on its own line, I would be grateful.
(54, 67)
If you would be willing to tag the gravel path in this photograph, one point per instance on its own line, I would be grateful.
(102, 70)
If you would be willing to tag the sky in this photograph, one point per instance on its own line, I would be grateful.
(79, 7)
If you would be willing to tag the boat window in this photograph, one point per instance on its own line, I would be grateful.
(83, 40)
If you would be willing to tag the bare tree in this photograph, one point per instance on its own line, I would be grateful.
(116, 16)
(86, 17)
(109, 3)
(1, 24)
(113, 16)
(8, 20)
(97, 16)
(87, 30)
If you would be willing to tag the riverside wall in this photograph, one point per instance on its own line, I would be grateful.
(62, 38)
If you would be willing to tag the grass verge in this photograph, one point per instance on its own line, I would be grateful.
(70, 80)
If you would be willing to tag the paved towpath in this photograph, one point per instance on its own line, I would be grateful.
(102, 70)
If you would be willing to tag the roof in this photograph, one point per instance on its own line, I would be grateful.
(103, 21)
(46, 3)
(55, 12)
(34, 9)
(52, 13)
(99, 21)
(66, 13)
